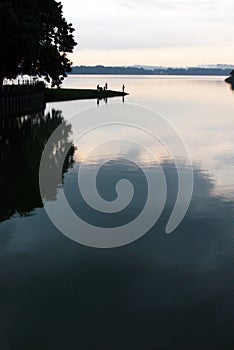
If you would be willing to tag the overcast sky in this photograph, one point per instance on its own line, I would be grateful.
(152, 32)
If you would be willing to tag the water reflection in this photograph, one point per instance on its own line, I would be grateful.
(22, 140)
(164, 292)
(204, 199)
(169, 287)
(105, 100)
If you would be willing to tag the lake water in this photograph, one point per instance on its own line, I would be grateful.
(162, 291)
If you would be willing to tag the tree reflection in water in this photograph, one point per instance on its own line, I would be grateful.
(22, 140)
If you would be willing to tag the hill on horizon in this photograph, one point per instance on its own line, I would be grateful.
(219, 69)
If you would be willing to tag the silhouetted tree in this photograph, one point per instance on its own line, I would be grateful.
(34, 39)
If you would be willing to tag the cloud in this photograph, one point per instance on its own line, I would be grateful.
(134, 24)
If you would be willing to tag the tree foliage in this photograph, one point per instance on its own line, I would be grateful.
(34, 39)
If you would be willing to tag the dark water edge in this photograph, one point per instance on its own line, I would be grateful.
(161, 292)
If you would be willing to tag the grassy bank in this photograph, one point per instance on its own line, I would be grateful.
(56, 95)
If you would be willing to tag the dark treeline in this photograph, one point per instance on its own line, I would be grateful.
(141, 71)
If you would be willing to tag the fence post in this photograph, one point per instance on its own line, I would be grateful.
(22, 97)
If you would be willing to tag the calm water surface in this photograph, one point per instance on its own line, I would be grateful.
(160, 292)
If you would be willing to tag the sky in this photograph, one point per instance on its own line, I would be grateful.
(152, 32)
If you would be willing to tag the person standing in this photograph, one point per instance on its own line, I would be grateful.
(123, 88)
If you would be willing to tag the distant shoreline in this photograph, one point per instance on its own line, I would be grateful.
(192, 71)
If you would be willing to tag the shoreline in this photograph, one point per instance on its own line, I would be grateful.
(59, 95)
(230, 80)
